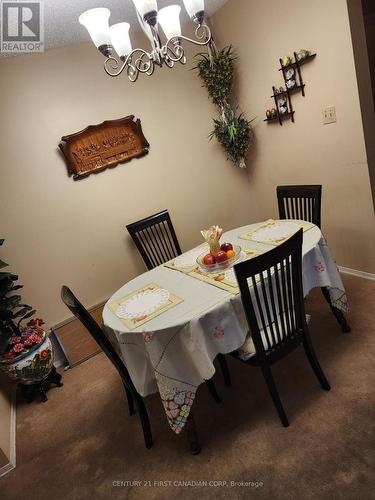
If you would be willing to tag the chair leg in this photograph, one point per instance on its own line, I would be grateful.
(212, 390)
(274, 394)
(313, 360)
(224, 369)
(143, 415)
(192, 436)
(130, 399)
(339, 315)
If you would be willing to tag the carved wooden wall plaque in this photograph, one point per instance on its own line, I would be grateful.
(98, 147)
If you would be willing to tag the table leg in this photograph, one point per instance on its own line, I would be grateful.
(339, 315)
(224, 369)
(192, 436)
(212, 390)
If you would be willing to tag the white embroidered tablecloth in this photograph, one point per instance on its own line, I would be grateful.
(173, 353)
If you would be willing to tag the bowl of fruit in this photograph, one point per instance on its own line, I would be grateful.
(223, 259)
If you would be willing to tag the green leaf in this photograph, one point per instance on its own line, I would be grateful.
(15, 287)
(22, 311)
(10, 302)
(3, 264)
(11, 276)
(28, 315)
(6, 314)
(6, 285)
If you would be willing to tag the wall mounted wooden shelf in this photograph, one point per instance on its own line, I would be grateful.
(296, 62)
(280, 117)
(293, 83)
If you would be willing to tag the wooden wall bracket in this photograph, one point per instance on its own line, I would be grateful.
(290, 73)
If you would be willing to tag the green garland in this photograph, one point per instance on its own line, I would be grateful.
(216, 71)
(233, 131)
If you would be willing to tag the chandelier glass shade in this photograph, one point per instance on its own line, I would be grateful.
(169, 20)
(108, 39)
(120, 39)
(96, 23)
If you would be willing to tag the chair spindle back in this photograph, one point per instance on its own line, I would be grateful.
(155, 239)
(300, 202)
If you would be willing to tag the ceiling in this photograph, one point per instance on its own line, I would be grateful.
(61, 25)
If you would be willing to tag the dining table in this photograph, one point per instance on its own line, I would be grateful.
(169, 324)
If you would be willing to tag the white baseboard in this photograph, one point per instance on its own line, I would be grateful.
(7, 468)
(354, 272)
(12, 459)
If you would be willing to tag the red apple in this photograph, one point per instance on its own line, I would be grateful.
(209, 259)
(226, 246)
(221, 256)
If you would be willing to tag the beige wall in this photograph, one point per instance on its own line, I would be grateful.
(306, 152)
(59, 231)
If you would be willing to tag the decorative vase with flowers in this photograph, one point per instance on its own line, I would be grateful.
(26, 353)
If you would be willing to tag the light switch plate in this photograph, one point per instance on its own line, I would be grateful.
(329, 115)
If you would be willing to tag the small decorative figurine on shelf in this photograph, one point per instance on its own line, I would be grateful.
(282, 105)
(292, 74)
(289, 73)
(286, 60)
(302, 54)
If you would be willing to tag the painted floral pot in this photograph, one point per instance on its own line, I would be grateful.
(31, 367)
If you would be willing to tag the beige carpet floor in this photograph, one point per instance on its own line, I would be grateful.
(82, 443)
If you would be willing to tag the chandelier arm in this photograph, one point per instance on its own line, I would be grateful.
(142, 65)
(113, 67)
(191, 40)
(140, 61)
(173, 51)
(168, 61)
(202, 32)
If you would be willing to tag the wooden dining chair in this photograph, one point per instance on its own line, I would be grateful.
(304, 203)
(155, 239)
(81, 313)
(300, 202)
(272, 297)
(97, 333)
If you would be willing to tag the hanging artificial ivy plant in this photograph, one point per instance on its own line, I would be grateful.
(232, 130)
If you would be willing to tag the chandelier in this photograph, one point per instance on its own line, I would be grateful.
(116, 37)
